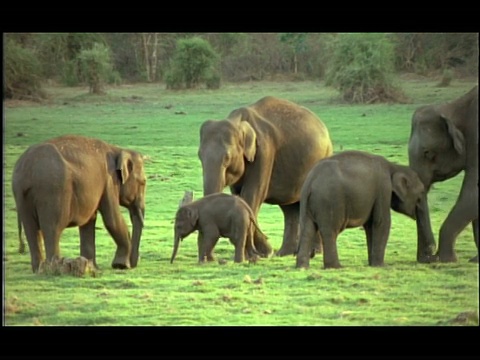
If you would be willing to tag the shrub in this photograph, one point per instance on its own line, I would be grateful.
(447, 78)
(193, 62)
(95, 67)
(22, 73)
(362, 68)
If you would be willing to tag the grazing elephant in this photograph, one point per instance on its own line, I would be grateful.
(64, 181)
(353, 189)
(218, 215)
(443, 142)
(263, 152)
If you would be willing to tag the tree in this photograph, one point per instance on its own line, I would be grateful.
(296, 42)
(362, 68)
(194, 61)
(23, 72)
(96, 66)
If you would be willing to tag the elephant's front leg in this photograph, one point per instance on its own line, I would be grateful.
(291, 215)
(475, 236)
(206, 243)
(377, 232)
(87, 240)
(464, 212)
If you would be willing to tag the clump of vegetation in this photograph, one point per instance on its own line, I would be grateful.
(96, 67)
(362, 68)
(23, 73)
(447, 78)
(194, 62)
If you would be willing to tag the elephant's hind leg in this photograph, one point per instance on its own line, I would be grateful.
(291, 215)
(87, 241)
(475, 236)
(34, 239)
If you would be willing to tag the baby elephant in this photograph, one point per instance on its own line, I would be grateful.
(214, 216)
(353, 189)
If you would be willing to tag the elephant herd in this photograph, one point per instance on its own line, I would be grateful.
(275, 152)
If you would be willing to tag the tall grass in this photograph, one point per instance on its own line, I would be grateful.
(164, 125)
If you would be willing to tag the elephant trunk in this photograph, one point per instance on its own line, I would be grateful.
(137, 217)
(425, 240)
(213, 179)
(175, 248)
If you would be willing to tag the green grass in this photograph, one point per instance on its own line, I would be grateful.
(270, 292)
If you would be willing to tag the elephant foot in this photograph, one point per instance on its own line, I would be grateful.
(120, 266)
(286, 250)
(332, 265)
(474, 259)
(302, 263)
(427, 259)
(447, 258)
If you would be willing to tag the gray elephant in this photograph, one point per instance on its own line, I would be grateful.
(263, 152)
(214, 216)
(65, 181)
(443, 142)
(353, 189)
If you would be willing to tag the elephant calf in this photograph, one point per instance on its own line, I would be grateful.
(214, 216)
(353, 189)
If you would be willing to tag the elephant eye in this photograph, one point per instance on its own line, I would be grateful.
(428, 154)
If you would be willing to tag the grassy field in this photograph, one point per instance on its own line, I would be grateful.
(164, 125)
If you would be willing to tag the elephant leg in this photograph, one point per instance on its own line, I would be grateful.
(250, 250)
(308, 232)
(87, 241)
(475, 236)
(34, 239)
(51, 229)
(118, 230)
(206, 243)
(377, 231)
(291, 215)
(330, 254)
(456, 221)
(240, 243)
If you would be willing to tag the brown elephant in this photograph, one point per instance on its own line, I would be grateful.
(353, 189)
(263, 152)
(214, 216)
(64, 181)
(443, 142)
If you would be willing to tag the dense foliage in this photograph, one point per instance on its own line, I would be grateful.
(241, 56)
(193, 62)
(362, 68)
(95, 66)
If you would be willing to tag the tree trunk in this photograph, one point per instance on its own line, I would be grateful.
(145, 40)
(153, 64)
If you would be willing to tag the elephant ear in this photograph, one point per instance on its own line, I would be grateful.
(124, 166)
(400, 185)
(249, 141)
(456, 136)
(192, 215)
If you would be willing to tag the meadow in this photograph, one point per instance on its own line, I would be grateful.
(164, 126)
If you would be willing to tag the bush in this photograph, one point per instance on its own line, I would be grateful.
(96, 67)
(362, 68)
(447, 78)
(193, 62)
(22, 73)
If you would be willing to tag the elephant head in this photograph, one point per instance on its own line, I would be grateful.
(409, 197)
(225, 145)
(130, 171)
(407, 192)
(186, 221)
(436, 149)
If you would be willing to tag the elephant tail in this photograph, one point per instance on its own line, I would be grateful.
(21, 246)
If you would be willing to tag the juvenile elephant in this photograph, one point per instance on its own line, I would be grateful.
(353, 189)
(443, 142)
(64, 181)
(214, 216)
(263, 152)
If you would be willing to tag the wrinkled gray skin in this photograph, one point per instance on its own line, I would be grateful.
(214, 216)
(353, 189)
(263, 152)
(443, 142)
(65, 181)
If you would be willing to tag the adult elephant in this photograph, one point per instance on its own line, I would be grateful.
(65, 181)
(263, 152)
(443, 142)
